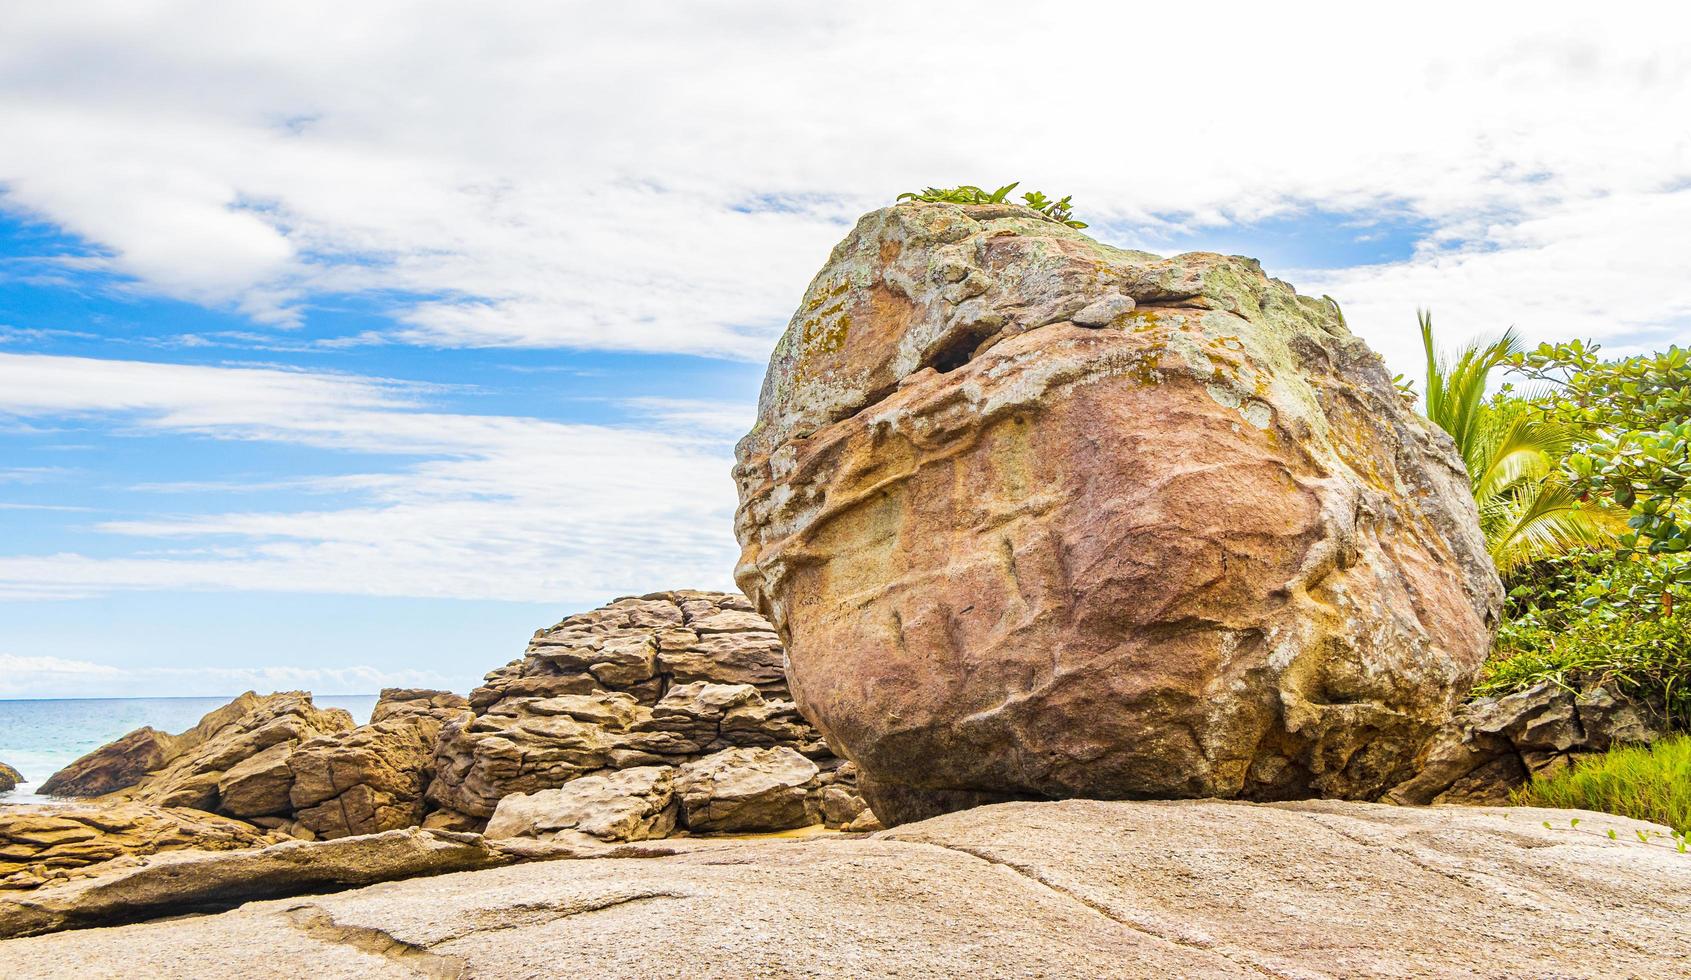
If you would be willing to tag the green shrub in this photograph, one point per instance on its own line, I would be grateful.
(1059, 211)
(1645, 782)
(1647, 658)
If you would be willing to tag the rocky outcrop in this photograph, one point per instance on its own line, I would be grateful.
(281, 763)
(1071, 889)
(659, 681)
(43, 844)
(114, 766)
(1493, 746)
(203, 880)
(1037, 517)
(186, 770)
(9, 778)
(367, 780)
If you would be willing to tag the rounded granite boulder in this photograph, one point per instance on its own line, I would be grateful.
(1038, 517)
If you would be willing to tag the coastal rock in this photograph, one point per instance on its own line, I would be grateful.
(1079, 888)
(661, 680)
(41, 844)
(9, 778)
(1493, 746)
(1200, 546)
(739, 790)
(114, 766)
(626, 805)
(186, 770)
(203, 880)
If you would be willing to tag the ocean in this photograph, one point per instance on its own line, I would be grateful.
(38, 738)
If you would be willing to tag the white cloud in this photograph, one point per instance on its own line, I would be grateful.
(476, 507)
(37, 677)
(666, 177)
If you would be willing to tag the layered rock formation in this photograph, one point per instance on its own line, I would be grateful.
(177, 882)
(42, 844)
(681, 682)
(1073, 889)
(1037, 517)
(9, 778)
(186, 770)
(281, 763)
(1493, 746)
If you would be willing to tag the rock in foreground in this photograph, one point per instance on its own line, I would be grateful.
(1038, 517)
(9, 778)
(41, 844)
(1077, 888)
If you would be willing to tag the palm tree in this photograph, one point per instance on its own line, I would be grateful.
(1510, 451)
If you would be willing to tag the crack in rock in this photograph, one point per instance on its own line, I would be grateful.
(1032, 875)
(541, 913)
(321, 926)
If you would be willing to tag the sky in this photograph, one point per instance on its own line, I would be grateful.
(344, 345)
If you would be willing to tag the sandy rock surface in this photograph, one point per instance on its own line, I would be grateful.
(1075, 888)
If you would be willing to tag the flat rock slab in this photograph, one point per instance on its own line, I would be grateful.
(1076, 888)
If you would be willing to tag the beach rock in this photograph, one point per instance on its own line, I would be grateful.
(189, 881)
(113, 766)
(1493, 746)
(1200, 546)
(741, 790)
(625, 805)
(655, 681)
(146, 766)
(9, 778)
(41, 844)
(362, 781)
(1079, 888)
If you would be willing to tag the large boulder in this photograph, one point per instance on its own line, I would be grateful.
(9, 778)
(1038, 517)
(657, 681)
(42, 844)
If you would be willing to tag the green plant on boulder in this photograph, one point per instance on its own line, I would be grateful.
(1059, 210)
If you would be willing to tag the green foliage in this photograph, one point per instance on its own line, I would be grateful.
(1634, 416)
(1060, 211)
(1643, 782)
(1510, 450)
(1550, 636)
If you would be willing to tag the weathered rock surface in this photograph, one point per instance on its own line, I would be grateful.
(662, 680)
(626, 805)
(201, 880)
(749, 789)
(114, 766)
(185, 770)
(9, 778)
(1069, 889)
(1038, 517)
(1495, 745)
(42, 844)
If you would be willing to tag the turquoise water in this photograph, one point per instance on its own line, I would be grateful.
(38, 738)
